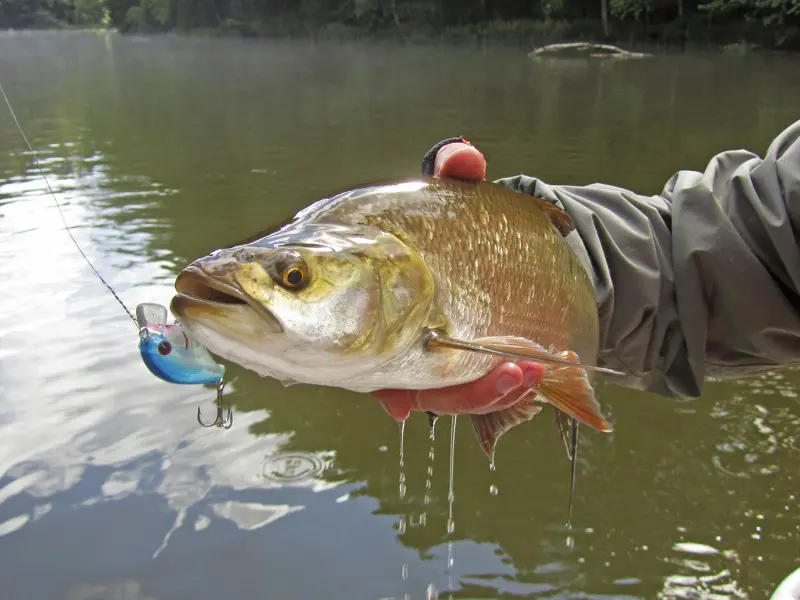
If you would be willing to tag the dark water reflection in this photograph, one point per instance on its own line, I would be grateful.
(162, 149)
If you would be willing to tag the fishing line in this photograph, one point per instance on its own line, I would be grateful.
(60, 212)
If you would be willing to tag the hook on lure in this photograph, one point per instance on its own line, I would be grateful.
(226, 422)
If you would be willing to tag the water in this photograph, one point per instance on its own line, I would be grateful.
(163, 149)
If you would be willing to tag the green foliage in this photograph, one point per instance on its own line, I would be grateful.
(725, 22)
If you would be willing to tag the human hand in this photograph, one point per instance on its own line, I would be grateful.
(508, 382)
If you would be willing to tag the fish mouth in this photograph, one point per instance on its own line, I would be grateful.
(200, 292)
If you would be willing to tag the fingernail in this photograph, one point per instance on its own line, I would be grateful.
(505, 384)
(532, 376)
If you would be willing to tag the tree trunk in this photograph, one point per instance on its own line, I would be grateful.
(604, 16)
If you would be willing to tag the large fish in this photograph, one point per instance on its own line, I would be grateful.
(417, 284)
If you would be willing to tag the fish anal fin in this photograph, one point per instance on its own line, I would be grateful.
(564, 423)
(569, 390)
(558, 217)
(489, 427)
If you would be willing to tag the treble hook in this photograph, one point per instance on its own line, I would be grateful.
(220, 421)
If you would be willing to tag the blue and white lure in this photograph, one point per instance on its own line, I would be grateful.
(167, 350)
(172, 356)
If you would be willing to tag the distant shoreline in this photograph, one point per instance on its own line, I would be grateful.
(526, 34)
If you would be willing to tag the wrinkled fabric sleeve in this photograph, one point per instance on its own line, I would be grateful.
(700, 281)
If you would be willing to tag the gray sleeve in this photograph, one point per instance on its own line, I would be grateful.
(700, 281)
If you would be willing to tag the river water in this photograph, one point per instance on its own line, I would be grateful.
(162, 149)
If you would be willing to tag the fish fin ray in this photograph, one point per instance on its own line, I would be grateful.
(569, 390)
(558, 217)
(508, 346)
(564, 423)
(491, 426)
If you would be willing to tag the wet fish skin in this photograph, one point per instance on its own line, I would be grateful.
(385, 264)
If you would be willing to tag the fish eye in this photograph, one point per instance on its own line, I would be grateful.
(294, 276)
(164, 348)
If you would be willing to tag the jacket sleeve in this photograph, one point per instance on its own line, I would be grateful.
(700, 281)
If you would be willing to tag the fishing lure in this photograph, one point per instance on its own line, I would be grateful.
(166, 349)
(173, 356)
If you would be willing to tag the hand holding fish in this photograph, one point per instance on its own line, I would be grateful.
(502, 387)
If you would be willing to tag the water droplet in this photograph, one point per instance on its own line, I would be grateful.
(404, 572)
(432, 418)
(431, 593)
(493, 490)
(451, 525)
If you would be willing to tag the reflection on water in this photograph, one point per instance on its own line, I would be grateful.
(161, 150)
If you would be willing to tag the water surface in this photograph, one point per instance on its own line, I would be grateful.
(162, 149)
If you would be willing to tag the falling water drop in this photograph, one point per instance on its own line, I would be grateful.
(493, 490)
(432, 593)
(432, 418)
(451, 496)
(402, 483)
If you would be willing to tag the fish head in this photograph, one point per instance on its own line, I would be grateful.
(170, 354)
(324, 304)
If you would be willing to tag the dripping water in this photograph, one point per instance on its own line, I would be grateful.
(401, 526)
(492, 487)
(451, 526)
(431, 457)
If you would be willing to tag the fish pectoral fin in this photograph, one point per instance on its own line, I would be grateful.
(489, 427)
(508, 347)
(565, 385)
(569, 390)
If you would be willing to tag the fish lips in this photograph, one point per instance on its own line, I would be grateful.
(201, 296)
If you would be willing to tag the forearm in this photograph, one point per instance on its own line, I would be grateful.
(702, 280)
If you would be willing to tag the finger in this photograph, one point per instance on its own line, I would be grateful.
(532, 375)
(397, 403)
(460, 161)
(476, 397)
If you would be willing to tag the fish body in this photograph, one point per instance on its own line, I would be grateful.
(347, 293)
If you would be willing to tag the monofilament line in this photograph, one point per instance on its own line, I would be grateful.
(58, 205)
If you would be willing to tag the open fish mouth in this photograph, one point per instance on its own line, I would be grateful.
(200, 292)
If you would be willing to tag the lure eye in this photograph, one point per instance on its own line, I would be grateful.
(164, 348)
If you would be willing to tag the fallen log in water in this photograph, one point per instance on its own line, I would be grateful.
(595, 50)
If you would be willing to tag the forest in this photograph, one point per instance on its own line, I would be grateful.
(733, 24)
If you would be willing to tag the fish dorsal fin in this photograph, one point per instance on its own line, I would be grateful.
(489, 427)
(565, 384)
(558, 217)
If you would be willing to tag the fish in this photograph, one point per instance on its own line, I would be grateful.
(416, 284)
(169, 353)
